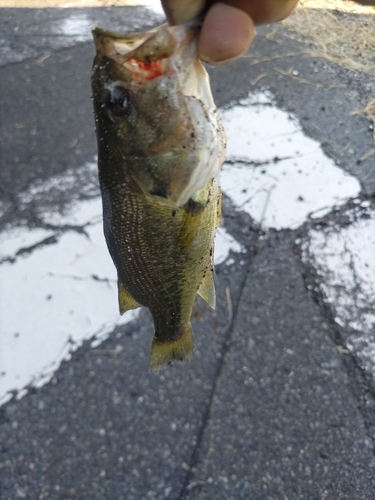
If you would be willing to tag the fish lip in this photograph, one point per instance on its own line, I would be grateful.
(97, 31)
(104, 38)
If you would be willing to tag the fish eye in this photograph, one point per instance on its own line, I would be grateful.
(119, 101)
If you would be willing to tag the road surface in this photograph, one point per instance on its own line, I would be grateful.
(278, 401)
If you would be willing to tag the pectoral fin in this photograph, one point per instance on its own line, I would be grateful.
(195, 207)
(165, 353)
(125, 300)
(207, 289)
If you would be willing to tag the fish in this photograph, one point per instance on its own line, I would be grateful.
(161, 145)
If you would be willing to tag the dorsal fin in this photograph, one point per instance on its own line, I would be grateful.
(207, 288)
(125, 300)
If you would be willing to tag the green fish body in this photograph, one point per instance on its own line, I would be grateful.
(160, 149)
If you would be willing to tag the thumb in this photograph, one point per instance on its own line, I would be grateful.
(181, 11)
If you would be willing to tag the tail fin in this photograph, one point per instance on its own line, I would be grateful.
(166, 353)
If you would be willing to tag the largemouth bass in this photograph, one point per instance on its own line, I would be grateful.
(160, 148)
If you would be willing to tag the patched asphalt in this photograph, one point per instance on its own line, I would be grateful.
(272, 406)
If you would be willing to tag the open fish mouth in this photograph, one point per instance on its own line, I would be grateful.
(150, 55)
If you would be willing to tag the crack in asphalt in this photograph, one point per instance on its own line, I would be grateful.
(94, 277)
(50, 240)
(188, 484)
(234, 161)
(68, 227)
(356, 374)
(360, 297)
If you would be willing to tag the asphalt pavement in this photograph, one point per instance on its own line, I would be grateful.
(273, 405)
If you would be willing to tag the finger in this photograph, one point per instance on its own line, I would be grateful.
(226, 34)
(265, 11)
(181, 11)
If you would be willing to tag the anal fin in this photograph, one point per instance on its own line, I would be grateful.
(166, 353)
(207, 289)
(125, 300)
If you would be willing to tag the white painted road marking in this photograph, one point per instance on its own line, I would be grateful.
(344, 259)
(60, 294)
(285, 176)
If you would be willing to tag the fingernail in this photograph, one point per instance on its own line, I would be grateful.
(224, 62)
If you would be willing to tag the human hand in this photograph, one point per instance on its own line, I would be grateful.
(228, 25)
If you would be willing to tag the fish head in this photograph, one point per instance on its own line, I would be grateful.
(155, 111)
